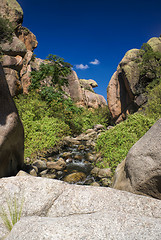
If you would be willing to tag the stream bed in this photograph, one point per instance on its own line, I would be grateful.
(75, 162)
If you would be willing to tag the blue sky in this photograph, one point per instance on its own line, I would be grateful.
(92, 35)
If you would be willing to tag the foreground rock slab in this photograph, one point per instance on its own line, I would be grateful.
(56, 210)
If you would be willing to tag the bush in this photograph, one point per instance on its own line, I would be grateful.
(54, 71)
(153, 107)
(42, 130)
(149, 63)
(115, 143)
(44, 134)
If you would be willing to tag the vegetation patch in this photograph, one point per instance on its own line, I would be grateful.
(149, 63)
(47, 122)
(12, 213)
(115, 143)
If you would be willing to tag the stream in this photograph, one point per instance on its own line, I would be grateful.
(75, 162)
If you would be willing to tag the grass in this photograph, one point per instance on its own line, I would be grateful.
(12, 214)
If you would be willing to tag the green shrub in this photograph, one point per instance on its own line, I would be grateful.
(54, 70)
(44, 134)
(153, 107)
(115, 143)
(47, 122)
(92, 117)
(42, 129)
(149, 63)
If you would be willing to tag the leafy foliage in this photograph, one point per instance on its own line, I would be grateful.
(115, 143)
(52, 73)
(42, 129)
(153, 107)
(150, 66)
(47, 122)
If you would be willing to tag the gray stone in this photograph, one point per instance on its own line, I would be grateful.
(59, 165)
(53, 209)
(41, 165)
(98, 127)
(140, 172)
(16, 47)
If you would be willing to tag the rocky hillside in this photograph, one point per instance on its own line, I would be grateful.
(125, 92)
(17, 45)
(16, 50)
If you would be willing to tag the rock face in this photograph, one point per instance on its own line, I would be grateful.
(123, 95)
(17, 53)
(11, 132)
(11, 10)
(82, 93)
(140, 172)
(56, 210)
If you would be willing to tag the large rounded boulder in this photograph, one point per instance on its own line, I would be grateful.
(140, 172)
(125, 92)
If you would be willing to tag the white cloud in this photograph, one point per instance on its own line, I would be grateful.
(95, 62)
(81, 66)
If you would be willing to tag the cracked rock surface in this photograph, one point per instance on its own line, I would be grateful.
(56, 210)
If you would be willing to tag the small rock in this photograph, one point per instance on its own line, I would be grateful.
(69, 140)
(69, 160)
(50, 159)
(78, 157)
(98, 127)
(43, 172)
(95, 171)
(89, 131)
(91, 157)
(66, 155)
(41, 165)
(33, 172)
(59, 165)
(101, 173)
(59, 174)
(80, 137)
(106, 182)
(104, 173)
(22, 173)
(95, 184)
(75, 177)
(52, 175)
(35, 168)
(109, 127)
(81, 147)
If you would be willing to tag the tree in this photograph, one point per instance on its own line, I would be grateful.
(50, 78)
